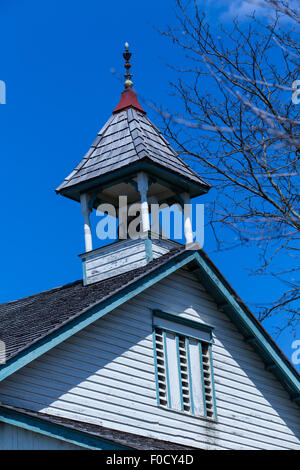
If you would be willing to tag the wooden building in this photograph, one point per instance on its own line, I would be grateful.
(153, 349)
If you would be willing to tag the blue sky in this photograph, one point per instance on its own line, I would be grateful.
(56, 60)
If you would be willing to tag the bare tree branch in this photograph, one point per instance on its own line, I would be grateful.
(238, 84)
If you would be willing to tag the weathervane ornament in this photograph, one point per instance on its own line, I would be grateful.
(128, 83)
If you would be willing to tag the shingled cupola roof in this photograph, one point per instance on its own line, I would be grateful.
(127, 143)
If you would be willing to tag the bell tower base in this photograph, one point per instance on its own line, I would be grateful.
(122, 256)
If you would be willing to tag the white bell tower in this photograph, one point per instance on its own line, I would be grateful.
(130, 158)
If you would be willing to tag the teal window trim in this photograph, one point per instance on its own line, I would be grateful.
(190, 375)
(178, 332)
(167, 370)
(183, 321)
(179, 372)
(213, 382)
(155, 365)
(193, 324)
(202, 379)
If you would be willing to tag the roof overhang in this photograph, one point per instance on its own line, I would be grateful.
(164, 176)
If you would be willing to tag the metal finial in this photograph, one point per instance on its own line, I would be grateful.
(128, 83)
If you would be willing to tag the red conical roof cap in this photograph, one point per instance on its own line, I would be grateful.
(128, 100)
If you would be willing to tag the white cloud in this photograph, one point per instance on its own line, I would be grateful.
(226, 10)
(243, 8)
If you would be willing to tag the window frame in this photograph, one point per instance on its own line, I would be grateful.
(182, 322)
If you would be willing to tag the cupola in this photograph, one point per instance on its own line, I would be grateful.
(130, 157)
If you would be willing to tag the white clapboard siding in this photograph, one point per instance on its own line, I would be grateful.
(120, 257)
(105, 375)
(14, 438)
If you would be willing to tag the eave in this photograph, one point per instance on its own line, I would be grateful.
(165, 177)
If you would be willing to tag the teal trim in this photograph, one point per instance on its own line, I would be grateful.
(183, 321)
(92, 314)
(56, 431)
(179, 372)
(213, 382)
(163, 176)
(190, 375)
(178, 332)
(167, 370)
(179, 200)
(202, 379)
(92, 200)
(148, 249)
(84, 272)
(133, 184)
(155, 365)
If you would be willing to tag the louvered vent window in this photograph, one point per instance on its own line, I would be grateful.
(184, 373)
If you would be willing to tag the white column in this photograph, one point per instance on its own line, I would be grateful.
(142, 181)
(188, 230)
(154, 209)
(84, 200)
(123, 219)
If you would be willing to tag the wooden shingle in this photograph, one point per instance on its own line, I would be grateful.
(128, 137)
